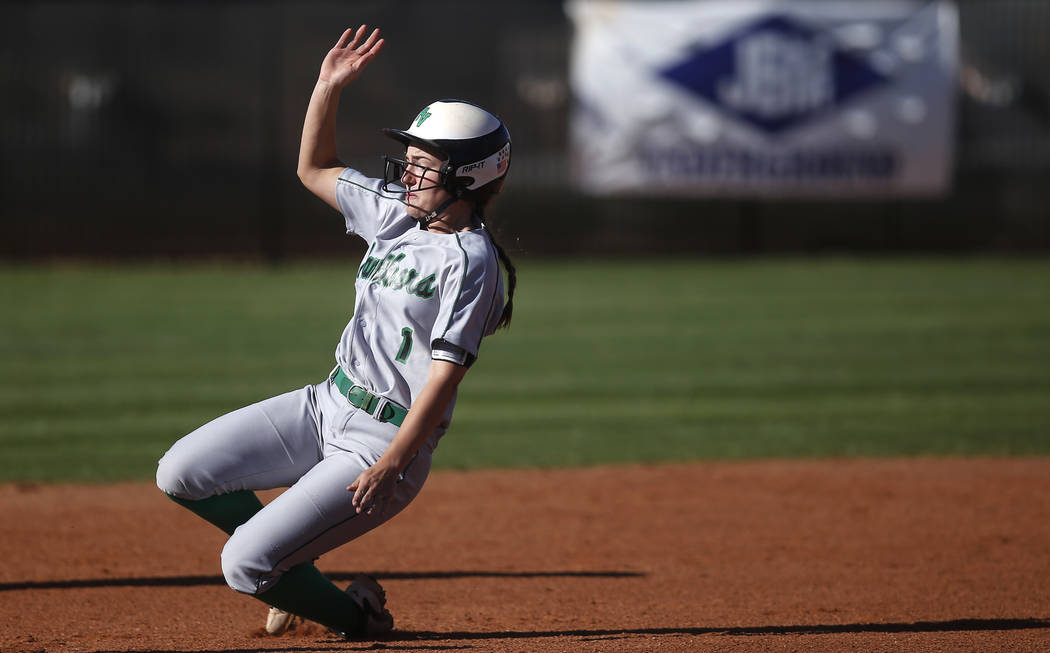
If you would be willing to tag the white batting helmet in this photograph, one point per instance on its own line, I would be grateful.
(476, 143)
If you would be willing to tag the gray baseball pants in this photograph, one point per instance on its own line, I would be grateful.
(312, 441)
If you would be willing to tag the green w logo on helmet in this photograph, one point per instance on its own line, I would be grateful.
(423, 115)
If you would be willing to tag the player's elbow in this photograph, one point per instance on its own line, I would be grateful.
(306, 174)
(321, 182)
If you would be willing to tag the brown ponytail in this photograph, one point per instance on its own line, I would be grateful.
(480, 198)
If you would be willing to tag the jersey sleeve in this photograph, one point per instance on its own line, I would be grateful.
(470, 304)
(364, 204)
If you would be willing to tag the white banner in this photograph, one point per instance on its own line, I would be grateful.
(768, 98)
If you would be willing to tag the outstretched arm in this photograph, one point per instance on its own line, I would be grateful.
(319, 164)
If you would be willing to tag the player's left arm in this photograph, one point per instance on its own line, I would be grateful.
(377, 484)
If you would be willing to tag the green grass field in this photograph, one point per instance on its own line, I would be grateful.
(104, 366)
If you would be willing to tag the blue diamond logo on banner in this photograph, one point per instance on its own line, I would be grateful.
(775, 74)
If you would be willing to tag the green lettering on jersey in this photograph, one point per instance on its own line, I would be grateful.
(406, 276)
(424, 288)
(368, 267)
(388, 269)
(391, 274)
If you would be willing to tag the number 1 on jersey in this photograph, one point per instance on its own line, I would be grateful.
(406, 345)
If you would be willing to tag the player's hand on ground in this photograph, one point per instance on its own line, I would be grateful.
(347, 59)
(373, 488)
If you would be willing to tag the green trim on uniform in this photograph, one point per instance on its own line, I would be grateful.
(459, 291)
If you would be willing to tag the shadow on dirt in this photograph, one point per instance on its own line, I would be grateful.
(403, 640)
(190, 581)
(954, 625)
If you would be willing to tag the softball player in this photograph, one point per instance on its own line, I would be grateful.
(355, 449)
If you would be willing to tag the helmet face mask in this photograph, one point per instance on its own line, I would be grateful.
(474, 144)
(394, 173)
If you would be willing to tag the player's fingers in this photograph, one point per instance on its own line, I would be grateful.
(368, 56)
(362, 497)
(374, 504)
(352, 45)
(353, 487)
(364, 505)
(364, 59)
(341, 43)
(372, 38)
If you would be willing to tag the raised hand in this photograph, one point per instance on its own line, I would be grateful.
(347, 59)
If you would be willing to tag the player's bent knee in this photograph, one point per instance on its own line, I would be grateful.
(170, 478)
(245, 570)
(239, 573)
(180, 476)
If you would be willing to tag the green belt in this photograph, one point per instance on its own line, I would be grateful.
(368, 402)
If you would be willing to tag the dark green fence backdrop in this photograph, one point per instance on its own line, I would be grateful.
(170, 129)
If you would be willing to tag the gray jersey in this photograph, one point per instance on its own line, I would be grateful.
(420, 295)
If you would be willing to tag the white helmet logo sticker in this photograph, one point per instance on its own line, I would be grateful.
(488, 168)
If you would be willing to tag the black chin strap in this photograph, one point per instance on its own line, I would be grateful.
(430, 217)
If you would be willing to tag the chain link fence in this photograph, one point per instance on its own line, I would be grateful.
(171, 129)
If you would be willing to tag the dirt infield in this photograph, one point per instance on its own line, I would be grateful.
(884, 555)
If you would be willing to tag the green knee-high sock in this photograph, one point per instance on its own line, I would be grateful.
(227, 511)
(303, 590)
